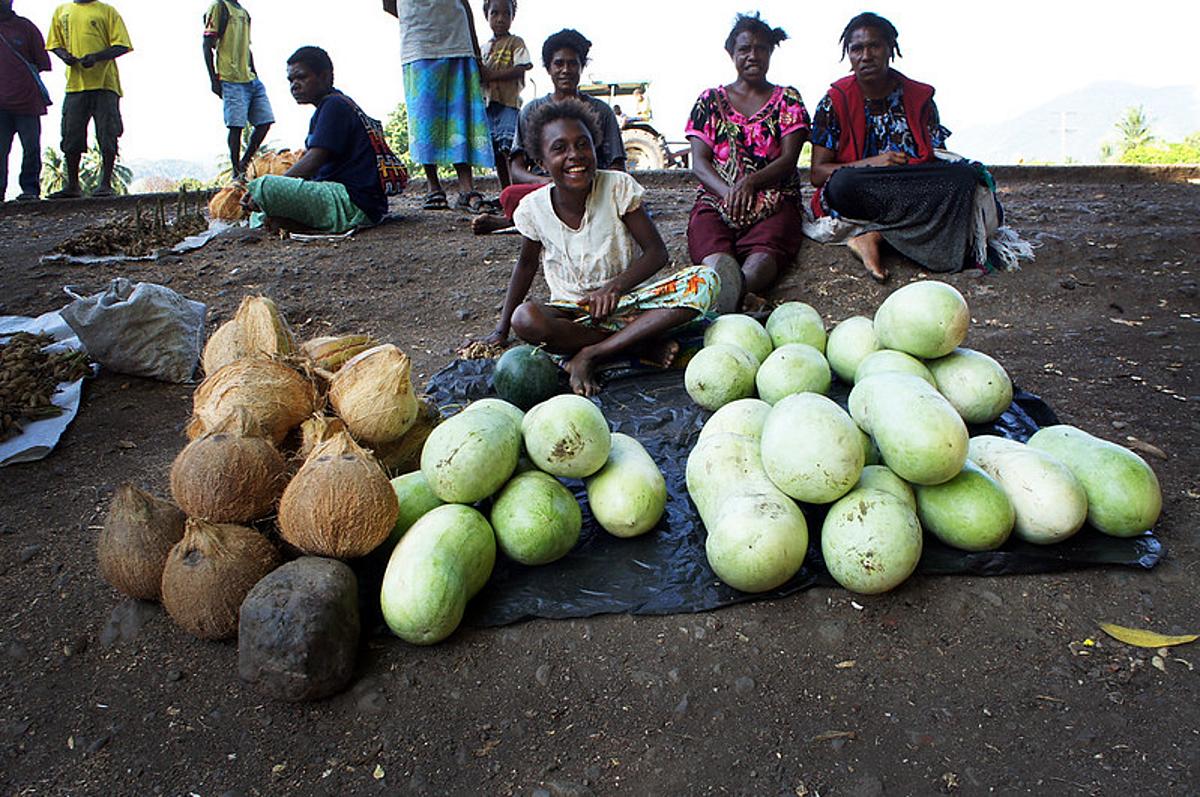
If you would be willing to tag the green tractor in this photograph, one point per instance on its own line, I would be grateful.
(645, 147)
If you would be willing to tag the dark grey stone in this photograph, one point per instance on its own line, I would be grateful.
(298, 630)
(126, 621)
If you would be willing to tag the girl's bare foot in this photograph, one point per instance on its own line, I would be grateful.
(866, 248)
(583, 375)
(660, 353)
(485, 224)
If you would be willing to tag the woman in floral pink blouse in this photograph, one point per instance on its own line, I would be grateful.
(746, 138)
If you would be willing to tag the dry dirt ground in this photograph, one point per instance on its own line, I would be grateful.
(948, 685)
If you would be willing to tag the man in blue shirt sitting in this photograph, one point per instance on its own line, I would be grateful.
(335, 186)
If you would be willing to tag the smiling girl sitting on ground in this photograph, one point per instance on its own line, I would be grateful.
(604, 300)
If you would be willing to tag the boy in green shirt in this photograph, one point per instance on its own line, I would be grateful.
(89, 36)
(231, 72)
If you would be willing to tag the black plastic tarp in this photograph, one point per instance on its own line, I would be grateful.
(665, 570)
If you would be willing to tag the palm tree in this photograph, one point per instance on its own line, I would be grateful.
(54, 172)
(1134, 129)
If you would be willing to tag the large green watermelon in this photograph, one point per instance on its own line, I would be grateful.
(525, 375)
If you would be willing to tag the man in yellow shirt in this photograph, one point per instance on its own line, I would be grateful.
(89, 36)
(230, 67)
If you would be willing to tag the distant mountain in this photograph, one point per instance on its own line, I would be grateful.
(1091, 114)
(174, 169)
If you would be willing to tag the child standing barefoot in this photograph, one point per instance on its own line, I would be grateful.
(604, 299)
(505, 61)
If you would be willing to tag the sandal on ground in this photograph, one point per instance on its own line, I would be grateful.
(471, 201)
(66, 193)
(26, 197)
(435, 200)
(102, 192)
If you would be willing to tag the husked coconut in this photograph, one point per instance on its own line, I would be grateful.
(276, 396)
(404, 455)
(208, 574)
(340, 504)
(230, 474)
(226, 204)
(223, 347)
(257, 328)
(139, 531)
(332, 352)
(373, 394)
(317, 430)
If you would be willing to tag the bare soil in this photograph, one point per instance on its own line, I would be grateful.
(948, 685)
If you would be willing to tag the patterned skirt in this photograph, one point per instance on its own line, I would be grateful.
(447, 118)
(691, 288)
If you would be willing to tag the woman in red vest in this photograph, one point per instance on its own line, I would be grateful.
(874, 135)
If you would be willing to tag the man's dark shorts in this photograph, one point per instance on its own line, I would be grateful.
(80, 107)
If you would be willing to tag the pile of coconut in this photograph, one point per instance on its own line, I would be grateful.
(289, 452)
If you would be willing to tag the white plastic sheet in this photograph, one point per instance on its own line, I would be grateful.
(40, 437)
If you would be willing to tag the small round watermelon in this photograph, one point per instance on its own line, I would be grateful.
(525, 376)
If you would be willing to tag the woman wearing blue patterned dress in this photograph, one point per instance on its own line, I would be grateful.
(874, 138)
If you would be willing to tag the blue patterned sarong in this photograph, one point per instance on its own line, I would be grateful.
(447, 120)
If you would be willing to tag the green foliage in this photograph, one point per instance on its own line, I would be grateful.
(395, 130)
(1187, 151)
(1134, 128)
(191, 184)
(54, 172)
(1138, 144)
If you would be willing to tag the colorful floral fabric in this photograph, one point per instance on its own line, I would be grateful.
(691, 288)
(742, 145)
(887, 126)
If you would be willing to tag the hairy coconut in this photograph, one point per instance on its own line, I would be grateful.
(317, 430)
(277, 397)
(404, 455)
(223, 347)
(226, 204)
(340, 504)
(208, 574)
(373, 394)
(138, 533)
(230, 474)
(332, 352)
(256, 328)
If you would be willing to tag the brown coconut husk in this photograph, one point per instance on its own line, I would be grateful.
(404, 455)
(223, 347)
(276, 396)
(257, 328)
(317, 430)
(373, 394)
(230, 474)
(208, 574)
(139, 531)
(226, 204)
(340, 504)
(330, 353)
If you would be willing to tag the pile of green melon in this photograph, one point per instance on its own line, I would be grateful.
(900, 463)
(490, 479)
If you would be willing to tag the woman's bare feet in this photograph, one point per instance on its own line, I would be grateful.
(753, 303)
(485, 224)
(866, 248)
(583, 374)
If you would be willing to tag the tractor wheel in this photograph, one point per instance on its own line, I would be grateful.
(643, 150)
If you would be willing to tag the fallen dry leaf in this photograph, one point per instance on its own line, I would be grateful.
(1144, 447)
(845, 665)
(829, 736)
(1145, 639)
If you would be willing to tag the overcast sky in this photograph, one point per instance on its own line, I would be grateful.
(989, 61)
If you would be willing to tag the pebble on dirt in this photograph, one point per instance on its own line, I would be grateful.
(298, 630)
